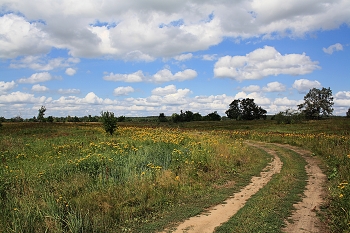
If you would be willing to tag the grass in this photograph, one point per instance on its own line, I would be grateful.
(75, 178)
(270, 206)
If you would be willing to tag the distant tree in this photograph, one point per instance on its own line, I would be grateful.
(317, 103)
(348, 113)
(197, 117)
(121, 119)
(16, 119)
(245, 109)
(162, 117)
(188, 116)
(41, 114)
(50, 119)
(109, 122)
(288, 117)
(214, 116)
(176, 118)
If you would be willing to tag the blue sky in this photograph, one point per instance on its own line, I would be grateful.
(142, 58)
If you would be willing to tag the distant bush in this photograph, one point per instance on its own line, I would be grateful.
(288, 117)
(109, 122)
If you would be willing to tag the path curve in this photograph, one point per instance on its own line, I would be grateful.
(304, 217)
(215, 216)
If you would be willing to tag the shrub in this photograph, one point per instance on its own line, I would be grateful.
(109, 122)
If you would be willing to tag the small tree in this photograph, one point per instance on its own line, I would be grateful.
(162, 117)
(348, 113)
(109, 122)
(41, 114)
(318, 103)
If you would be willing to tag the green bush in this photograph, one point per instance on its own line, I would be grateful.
(109, 122)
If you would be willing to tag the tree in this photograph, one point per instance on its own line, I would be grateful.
(245, 109)
(109, 122)
(348, 113)
(288, 117)
(41, 114)
(317, 103)
(162, 117)
(214, 116)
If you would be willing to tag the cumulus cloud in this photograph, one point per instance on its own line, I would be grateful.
(39, 88)
(342, 99)
(20, 37)
(37, 78)
(145, 31)
(261, 63)
(274, 87)
(251, 88)
(162, 91)
(183, 57)
(129, 78)
(70, 71)
(333, 48)
(42, 63)
(119, 91)
(165, 75)
(304, 85)
(7, 86)
(20, 97)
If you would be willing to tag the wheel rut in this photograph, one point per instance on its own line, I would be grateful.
(304, 217)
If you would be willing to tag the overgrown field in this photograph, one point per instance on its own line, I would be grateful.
(76, 178)
(327, 139)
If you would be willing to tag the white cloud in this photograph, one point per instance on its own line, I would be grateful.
(20, 97)
(251, 88)
(342, 99)
(147, 30)
(123, 91)
(7, 86)
(39, 88)
(20, 37)
(183, 57)
(342, 95)
(332, 48)
(304, 85)
(261, 63)
(209, 57)
(159, 91)
(42, 63)
(70, 71)
(165, 75)
(37, 78)
(130, 78)
(274, 87)
(68, 91)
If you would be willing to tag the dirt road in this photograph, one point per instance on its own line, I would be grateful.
(304, 219)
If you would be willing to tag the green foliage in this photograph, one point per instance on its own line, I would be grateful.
(318, 103)
(41, 114)
(109, 122)
(348, 113)
(288, 117)
(162, 117)
(245, 109)
(214, 116)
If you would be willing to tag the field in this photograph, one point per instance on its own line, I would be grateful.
(64, 177)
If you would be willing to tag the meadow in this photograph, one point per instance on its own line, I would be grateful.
(66, 177)
(76, 178)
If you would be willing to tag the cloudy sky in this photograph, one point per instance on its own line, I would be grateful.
(145, 57)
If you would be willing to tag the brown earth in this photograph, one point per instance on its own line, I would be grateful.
(304, 218)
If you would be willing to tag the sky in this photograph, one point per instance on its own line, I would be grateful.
(146, 57)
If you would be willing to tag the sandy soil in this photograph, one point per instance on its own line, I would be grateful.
(219, 214)
(304, 218)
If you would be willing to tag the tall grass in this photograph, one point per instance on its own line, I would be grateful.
(75, 178)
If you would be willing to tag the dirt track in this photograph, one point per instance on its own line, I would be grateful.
(304, 218)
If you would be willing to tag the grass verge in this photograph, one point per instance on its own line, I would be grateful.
(267, 210)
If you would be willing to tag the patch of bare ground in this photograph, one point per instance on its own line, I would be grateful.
(219, 214)
(304, 218)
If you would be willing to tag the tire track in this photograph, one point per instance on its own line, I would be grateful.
(215, 216)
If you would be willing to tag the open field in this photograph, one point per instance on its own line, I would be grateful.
(75, 178)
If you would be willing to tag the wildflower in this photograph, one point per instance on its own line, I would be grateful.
(341, 195)
(348, 156)
(177, 178)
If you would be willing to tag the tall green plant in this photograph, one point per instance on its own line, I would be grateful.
(109, 122)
